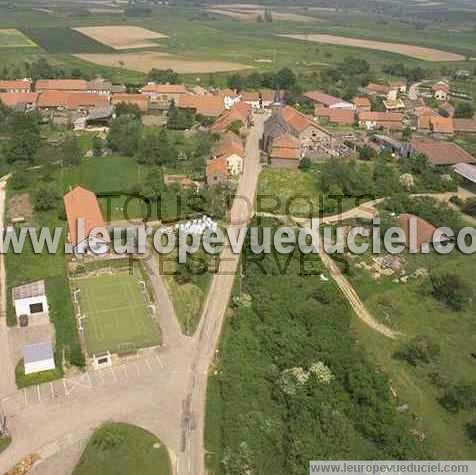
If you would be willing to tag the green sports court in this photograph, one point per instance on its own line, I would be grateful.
(114, 313)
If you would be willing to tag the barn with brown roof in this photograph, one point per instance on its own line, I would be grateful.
(207, 105)
(285, 152)
(84, 215)
(140, 100)
(15, 86)
(440, 152)
(418, 232)
(68, 85)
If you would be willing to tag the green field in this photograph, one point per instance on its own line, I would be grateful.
(117, 317)
(122, 448)
(65, 40)
(11, 38)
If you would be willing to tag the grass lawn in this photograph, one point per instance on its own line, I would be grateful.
(11, 38)
(117, 317)
(405, 308)
(187, 298)
(282, 191)
(4, 443)
(123, 449)
(23, 380)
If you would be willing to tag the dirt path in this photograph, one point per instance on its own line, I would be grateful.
(7, 367)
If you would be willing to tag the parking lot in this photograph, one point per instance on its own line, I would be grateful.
(134, 370)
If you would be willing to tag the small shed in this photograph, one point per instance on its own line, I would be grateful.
(30, 299)
(38, 357)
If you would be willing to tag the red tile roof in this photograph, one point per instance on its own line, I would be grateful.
(361, 101)
(12, 99)
(218, 166)
(378, 88)
(239, 112)
(296, 120)
(441, 87)
(423, 230)
(208, 106)
(465, 126)
(342, 116)
(266, 94)
(323, 98)
(17, 84)
(140, 100)
(285, 147)
(165, 88)
(61, 85)
(82, 203)
(441, 153)
(71, 100)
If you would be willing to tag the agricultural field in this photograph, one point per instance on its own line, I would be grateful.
(418, 52)
(64, 40)
(117, 317)
(144, 62)
(134, 450)
(11, 38)
(122, 37)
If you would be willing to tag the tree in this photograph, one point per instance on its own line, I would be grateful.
(124, 135)
(72, 152)
(450, 289)
(285, 79)
(163, 76)
(268, 16)
(235, 127)
(366, 153)
(153, 184)
(420, 349)
(235, 81)
(459, 396)
(464, 110)
(471, 430)
(46, 198)
(469, 206)
(97, 145)
(178, 119)
(24, 139)
(123, 108)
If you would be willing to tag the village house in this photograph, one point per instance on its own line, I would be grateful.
(38, 357)
(379, 90)
(230, 97)
(393, 103)
(162, 95)
(217, 172)
(362, 104)
(140, 100)
(285, 152)
(399, 85)
(436, 124)
(100, 86)
(262, 98)
(335, 116)
(22, 101)
(441, 91)
(206, 106)
(16, 86)
(65, 85)
(231, 148)
(239, 113)
(71, 101)
(381, 120)
(323, 99)
(440, 152)
(465, 126)
(312, 137)
(418, 232)
(82, 209)
(30, 300)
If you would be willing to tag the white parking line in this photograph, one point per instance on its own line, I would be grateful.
(26, 398)
(38, 391)
(66, 390)
(52, 391)
(157, 357)
(113, 375)
(148, 364)
(136, 366)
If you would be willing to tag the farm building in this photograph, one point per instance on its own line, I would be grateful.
(285, 152)
(84, 215)
(441, 153)
(323, 99)
(468, 173)
(380, 90)
(217, 171)
(465, 126)
(30, 299)
(287, 120)
(240, 112)
(99, 86)
(18, 86)
(19, 100)
(418, 232)
(362, 104)
(38, 357)
(381, 120)
(65, 85)
(436, 124)
(207, 106)
(162, 95)
(441, 91)
(336, 116)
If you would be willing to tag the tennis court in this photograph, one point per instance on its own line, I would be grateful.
(114, 313)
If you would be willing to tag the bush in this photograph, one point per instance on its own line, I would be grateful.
(419, 350)
(451, 289)
(46, 198)
(471, 430)
(23, 380)
(469, 206)
(459, 396)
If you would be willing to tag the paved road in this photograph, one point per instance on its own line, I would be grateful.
(161, 390)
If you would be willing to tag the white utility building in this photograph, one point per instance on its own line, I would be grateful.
(38, 357)
(30, 299)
